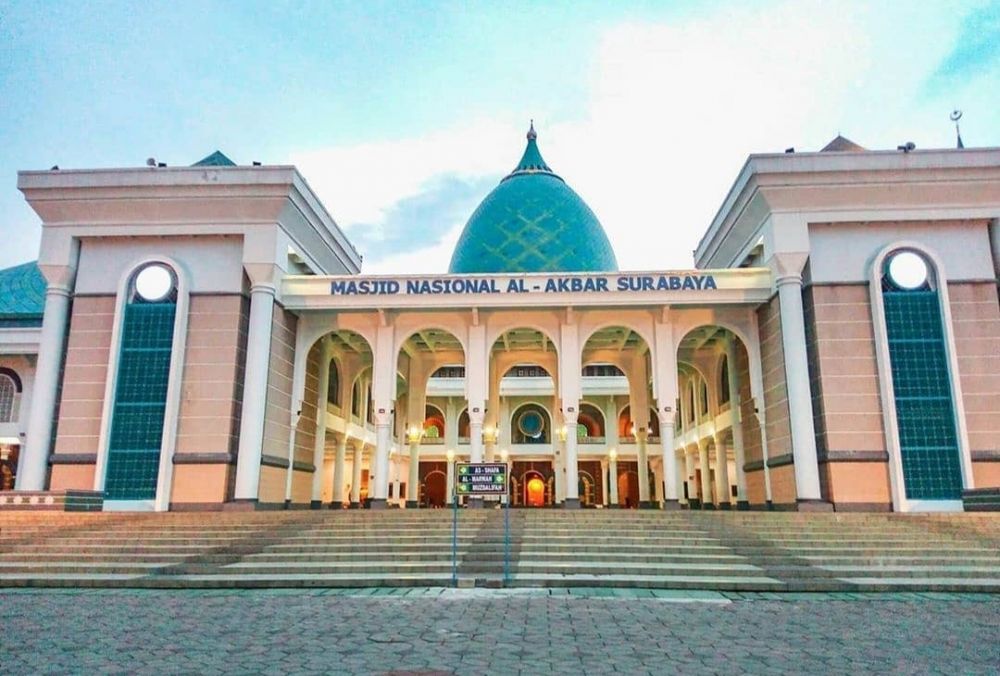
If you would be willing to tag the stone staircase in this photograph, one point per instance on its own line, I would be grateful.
(739, 551)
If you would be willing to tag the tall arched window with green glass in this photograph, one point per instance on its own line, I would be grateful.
(141, 385)
(925, 414)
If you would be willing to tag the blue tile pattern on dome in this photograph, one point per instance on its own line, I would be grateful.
(22, 295)
(533, 222)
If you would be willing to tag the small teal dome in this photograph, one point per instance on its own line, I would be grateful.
(533, 222)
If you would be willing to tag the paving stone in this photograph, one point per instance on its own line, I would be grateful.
(502, 632)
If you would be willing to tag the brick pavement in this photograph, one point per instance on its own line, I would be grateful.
(433, 631)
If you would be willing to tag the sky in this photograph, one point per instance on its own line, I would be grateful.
(402, 116)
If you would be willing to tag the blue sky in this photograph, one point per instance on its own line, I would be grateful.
(403, 115)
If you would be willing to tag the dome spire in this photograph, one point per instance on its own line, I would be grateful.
(531, 162)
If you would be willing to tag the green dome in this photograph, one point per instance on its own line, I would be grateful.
(533, 222)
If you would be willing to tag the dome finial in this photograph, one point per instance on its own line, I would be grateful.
(532, 135)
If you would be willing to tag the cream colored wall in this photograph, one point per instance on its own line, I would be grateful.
(752, 446)
(85, 376)
(212, 264)
(842, 252)
(783, 485)
(200, 484)
(861, 485)
(72, 476)
(975, 315)
(773, 370)
(216, 342)
(208, 421)
(986, 474)
(305, 431)
(279, 399)
(848, 410)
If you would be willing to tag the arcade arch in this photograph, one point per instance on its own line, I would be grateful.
(426, 357)
(719, 431)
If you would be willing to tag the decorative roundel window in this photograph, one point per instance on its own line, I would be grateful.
(154, 282)
(531, 424)
(907, 270)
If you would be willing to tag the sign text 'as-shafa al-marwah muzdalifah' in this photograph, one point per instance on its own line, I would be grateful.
(513, 285)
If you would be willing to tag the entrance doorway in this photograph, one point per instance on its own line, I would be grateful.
(534, 492)
(435, 489)
(628, 489)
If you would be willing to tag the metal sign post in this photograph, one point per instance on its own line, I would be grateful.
(454, 537)
(506, 543)
(486, 478)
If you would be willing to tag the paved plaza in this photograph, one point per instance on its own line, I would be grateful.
(445, 631)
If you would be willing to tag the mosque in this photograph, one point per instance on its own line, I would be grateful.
(202, 338)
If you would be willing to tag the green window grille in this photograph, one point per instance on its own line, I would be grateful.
(140, 401)
(925, 414)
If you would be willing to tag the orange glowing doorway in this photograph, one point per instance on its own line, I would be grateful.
(535, 492)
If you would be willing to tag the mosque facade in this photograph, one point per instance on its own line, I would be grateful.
(202, 338)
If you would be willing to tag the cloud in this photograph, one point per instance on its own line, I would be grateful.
(420, 220)
(674, 110)
(976, 48)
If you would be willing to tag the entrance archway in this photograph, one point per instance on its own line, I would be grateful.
(534, 492)
(628, 489)
(435, 489)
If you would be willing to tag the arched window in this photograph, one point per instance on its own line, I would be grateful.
(921, 379)
(371, 405)
(703, 390)
(654, 423)
(356, 399)
(143, 373)
(690, 407)
(724, 380)
(590, 423)
(464, 424)
(333, 390)
(8, 398)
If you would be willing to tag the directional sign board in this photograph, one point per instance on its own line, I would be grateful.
(481, 478)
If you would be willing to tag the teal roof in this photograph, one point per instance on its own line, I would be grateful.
(533, 222)
(216, 159)
(22, 295)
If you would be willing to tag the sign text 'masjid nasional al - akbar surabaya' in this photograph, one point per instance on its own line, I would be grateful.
(489, 285)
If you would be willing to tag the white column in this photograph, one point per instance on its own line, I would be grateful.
(450, 483)
(475, 436)
(692, 488)
(359, 449)
(397, 461)
(319, 448)
(383, 444)
(736, 413)
(51, 345)
(475, 444)
(681, 480)
(558, 468)
(605, 499)
(572, 499)
(254, 392)
(706, 476)
(613, 480)
(337, 501)
(642, 458)
(800, 413)
(413, 481)
(669, 462)
(721, 474)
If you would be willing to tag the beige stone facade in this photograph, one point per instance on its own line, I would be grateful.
(762, 378)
